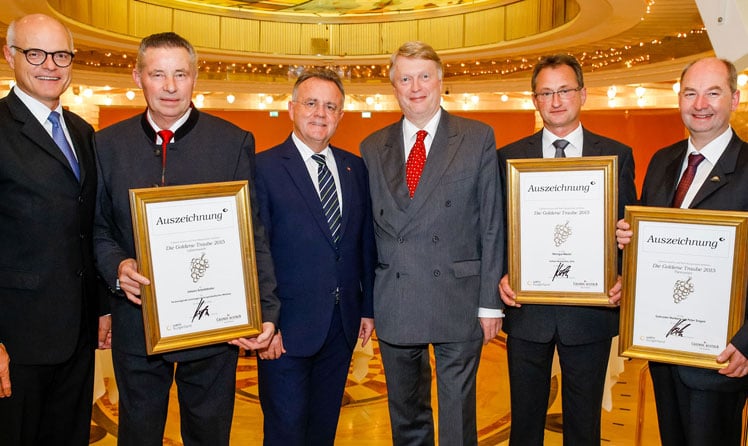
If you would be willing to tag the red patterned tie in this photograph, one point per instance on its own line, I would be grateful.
(416, 161)
(685, 181)
(165, 140)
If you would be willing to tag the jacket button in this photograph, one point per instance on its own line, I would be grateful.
(437, 273)
(435, 238)
(400, 240)
(80, 199)
(448, 203)
(397, 275)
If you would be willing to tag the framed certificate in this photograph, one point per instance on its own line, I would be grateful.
(684, 284)
(195, 244)
(561, 223)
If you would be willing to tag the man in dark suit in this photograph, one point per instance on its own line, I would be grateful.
(314, 202)
(695, 406)
(49, 304)
(581, 334)
(439, 231)
(201, 149)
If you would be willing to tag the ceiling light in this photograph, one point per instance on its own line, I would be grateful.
(230, 98)
(130, 95)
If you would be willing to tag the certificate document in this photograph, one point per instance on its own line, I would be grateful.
(684, 284)
(561, 218)
(563, 230)
(195, 245)
(196, 255)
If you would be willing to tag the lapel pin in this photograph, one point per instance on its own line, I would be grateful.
(348, 168)
(714, 179)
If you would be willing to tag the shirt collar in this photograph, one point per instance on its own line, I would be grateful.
(39, 110)
(410, 129)
(575, 138)
(715, 148)
(306, 152)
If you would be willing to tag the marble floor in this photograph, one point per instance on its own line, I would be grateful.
(364, 420)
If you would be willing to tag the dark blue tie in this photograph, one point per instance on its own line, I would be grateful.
(59, 136)
(328, 195)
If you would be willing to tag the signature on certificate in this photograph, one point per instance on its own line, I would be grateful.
(561, 271)
(678, 328)
(200, 311)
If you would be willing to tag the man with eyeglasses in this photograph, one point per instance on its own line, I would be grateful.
(314, 202)
(50, 307)
(581, 334)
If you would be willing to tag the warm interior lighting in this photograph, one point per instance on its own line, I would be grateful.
(130, 95)
(230, 98)
(612, 92)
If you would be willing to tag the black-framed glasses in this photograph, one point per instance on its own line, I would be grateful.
(311, 104)
(36, 57)
(563, 94)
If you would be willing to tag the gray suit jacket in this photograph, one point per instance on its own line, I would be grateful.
(575, 324)
(439, 253)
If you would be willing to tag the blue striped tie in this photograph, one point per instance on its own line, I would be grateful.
(328, 195)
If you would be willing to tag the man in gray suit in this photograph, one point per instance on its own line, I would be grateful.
(581, 334)
(439, 231)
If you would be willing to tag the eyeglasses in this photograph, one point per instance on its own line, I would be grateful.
(311, 105)
(36, 57)
(563, 94)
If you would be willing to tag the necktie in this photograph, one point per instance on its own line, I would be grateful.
(165, 140)
(685, 181)
(328, 195)
(58, 135)
(560, 145)
(415, 163)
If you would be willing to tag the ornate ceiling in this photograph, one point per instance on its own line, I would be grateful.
(253, 49)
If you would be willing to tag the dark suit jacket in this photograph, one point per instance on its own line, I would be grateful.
(439, 253)
(309, 266)
(726, 188)
(48, 285)
(575, 324)
(206, 149)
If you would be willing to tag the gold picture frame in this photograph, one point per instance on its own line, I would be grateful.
(195, 244)
(560, 225)
(684, 284)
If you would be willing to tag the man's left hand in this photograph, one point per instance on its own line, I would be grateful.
(738, 366)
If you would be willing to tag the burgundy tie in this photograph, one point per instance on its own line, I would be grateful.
(416, 161)
(685, 181)
(165, 140)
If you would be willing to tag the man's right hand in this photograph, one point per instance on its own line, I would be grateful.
(130, 280)
(623, 233)
(4, 372)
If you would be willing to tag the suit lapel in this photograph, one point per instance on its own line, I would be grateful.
(392, 157)
(534, 148)
(591, 144)
(344, 175)
(299, 176)
(720, 174)
(33, 130)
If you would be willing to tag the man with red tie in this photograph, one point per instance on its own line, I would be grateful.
(439, 230)
(709, 170)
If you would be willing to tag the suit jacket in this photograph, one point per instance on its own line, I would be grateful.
(439, 253)
(311, 269)
(575, 324)
(206, 149)
(726, 188)
(48, 286)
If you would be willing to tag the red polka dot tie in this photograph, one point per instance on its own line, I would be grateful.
(415, 163)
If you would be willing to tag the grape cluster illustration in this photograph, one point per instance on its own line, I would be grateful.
(561, 233)
(198, 267)
(682, 289)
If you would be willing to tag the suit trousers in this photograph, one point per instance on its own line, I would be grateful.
(408, 373)
(301, 396)
(50, 404)
(694, 417)
(583, 371)
(205, 388)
